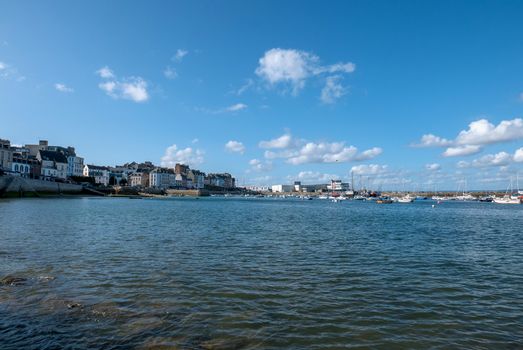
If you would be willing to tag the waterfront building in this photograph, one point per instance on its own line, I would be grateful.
(53, 165)
(75, 166)
(6, 154)
(258, 188)
(99, 173)
(224, 180)
(181, 180)
(27, 167)
(162, 178)
(197, 178)
(135, 179)
(297, 186)
(140, 178)
(181, 169)
(337, 185)
(34, 149)
(282, 188)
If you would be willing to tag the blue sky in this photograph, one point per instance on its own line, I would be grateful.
(273, 91)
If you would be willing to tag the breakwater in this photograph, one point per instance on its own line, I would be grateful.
(16, 186)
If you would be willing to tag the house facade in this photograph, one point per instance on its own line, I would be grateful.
(99, 173)
(197, 179)
(53, 165)
(6, 154)
(162, 178)
(75, 166)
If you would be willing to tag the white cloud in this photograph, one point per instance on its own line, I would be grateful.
(489, 160)
(135, 89)
(284, 141)
(479, 133)
(332, 90)
(62, 87)
(105, 72)
(230, 109)
(189, 156)
(430, 140)
(287, 66)
(313, 177)
(179, 55)
(235, 147)
(459, 151)
(370, 153)
(260, 166)
(369, 169)
(170, 73)
(9, 72)
(236, 107)
(500, 159)
(248, 84)
(433, 167)
(294, 67)
(195, 140)
(482, 132)
(518, 156)
(341, 67)
(107, 86)
(129, 88)
(325, 152)
(463, 164)
(297, 151)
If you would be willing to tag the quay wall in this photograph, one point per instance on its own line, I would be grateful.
(16, 186)
(189, 193)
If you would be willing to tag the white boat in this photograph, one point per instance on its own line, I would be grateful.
(506, 200)
(406, 199)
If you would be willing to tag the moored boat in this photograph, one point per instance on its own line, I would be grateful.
(406, 199)
(506, 200)
(384, 200)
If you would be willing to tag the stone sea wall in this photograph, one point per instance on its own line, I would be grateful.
(15, 186)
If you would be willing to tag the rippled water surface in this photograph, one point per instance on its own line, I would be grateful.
(259, 274)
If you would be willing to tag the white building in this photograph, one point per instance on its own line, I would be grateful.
(54, 165)
(22, 166)
(75, 166)
(258, 188)
(337, 185)
(99, 173)
(162, 178)
(282, 188)
(136, 179)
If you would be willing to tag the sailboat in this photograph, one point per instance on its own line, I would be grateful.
(464, 196)
(406, 198)
(508, 198)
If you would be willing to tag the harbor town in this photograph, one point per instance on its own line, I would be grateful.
(33, 169)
